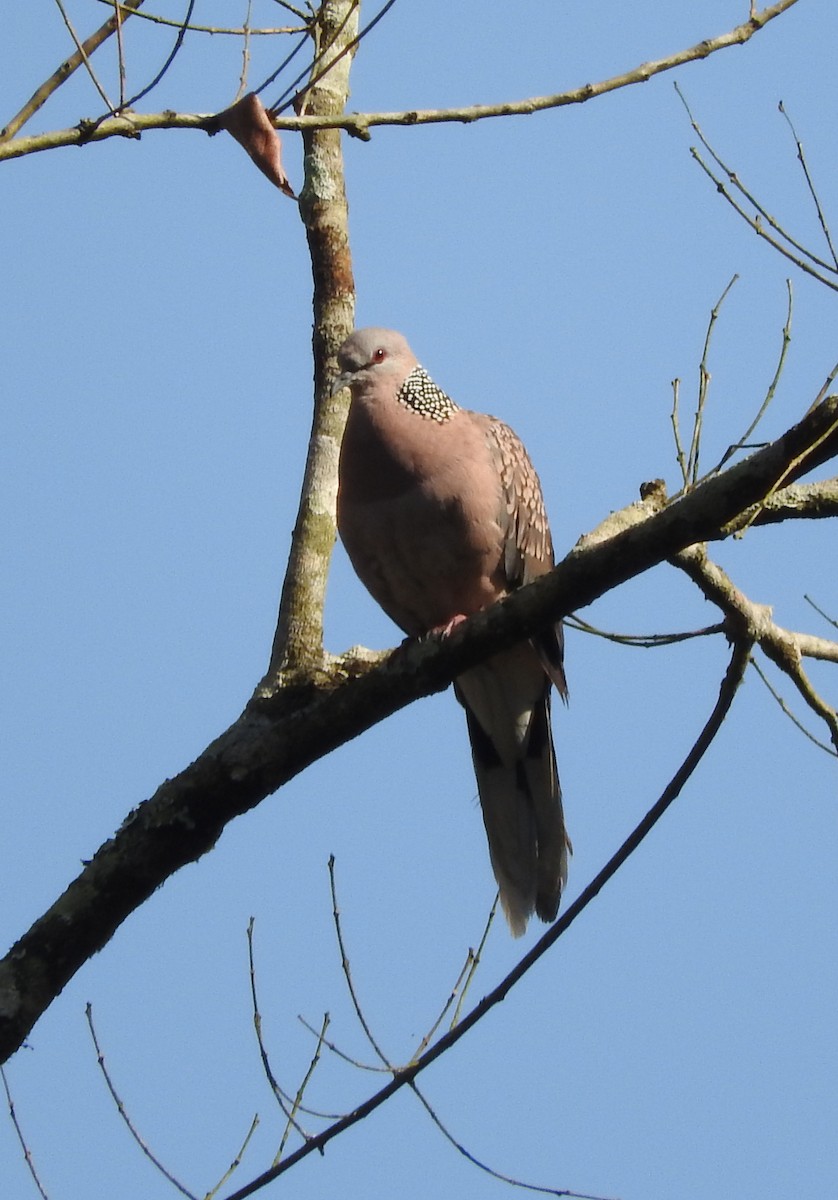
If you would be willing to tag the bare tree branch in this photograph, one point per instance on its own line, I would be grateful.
(123, 1112)
(407, 1075)
(283, 730)
(785, 648)
(27, 1153)
(63, 73)
(215, 30)
(359, 124)
(298, 642)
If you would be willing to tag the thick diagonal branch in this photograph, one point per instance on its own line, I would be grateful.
(284, 730)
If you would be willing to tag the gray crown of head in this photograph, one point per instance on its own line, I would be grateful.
(421, 394)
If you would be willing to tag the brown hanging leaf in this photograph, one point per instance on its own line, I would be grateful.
(248, 121)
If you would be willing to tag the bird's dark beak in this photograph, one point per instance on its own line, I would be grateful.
(341, 382)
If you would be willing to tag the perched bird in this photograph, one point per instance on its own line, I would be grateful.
(441, 513)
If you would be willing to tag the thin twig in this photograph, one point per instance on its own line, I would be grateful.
(245, 52)
(426, 1040)
(412, 1082)
(283, 103)
(236, 1163)
(769, 395)
(475, 963)
(298, 1099)
(758, 228)
(374, 1068)
(181, 34)
(810, 184)
(460, 988)
(359, 124)
(282, 1098)
(297, 12)
(303, 41)
(347, 974)
(476, 1162)
(820, 611)
(43, 93)
(81, 50)
(736, 182)
(310, 71)
(703, 387)
(674, 417)
(214, 30)
(120, 1107)
(27, 1153)
(824, 392)
(120, 55)
(732, 679)
(644, 641)
(788, 473)
(788, 712)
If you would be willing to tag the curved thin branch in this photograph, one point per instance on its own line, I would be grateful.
(123, 1112)
(359, 124)
(27, 1153)
(217, 30)
(407, 1075)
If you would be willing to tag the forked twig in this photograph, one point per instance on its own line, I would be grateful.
(475, 961)
(703, 387)
(784, 648)
(414, 1087)
(460, 988)
(282, 103)
(373, 1068)
(80, 49)
(793, 250)
(427, 1039)
(729, 686)
(71, 64)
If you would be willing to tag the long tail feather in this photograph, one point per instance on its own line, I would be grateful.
(507, 702)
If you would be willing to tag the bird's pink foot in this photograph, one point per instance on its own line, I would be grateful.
(442, 631)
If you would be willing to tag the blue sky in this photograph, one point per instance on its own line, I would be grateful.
(558, 270)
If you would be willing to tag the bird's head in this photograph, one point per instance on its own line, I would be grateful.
(372, 357)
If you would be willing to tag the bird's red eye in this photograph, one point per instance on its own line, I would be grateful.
(379, 355)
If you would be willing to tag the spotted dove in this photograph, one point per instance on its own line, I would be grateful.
(441, 513)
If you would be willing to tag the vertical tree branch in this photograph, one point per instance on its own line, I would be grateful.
(298, 643)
